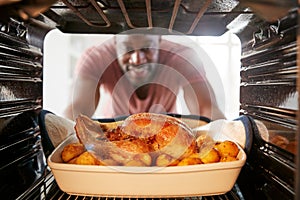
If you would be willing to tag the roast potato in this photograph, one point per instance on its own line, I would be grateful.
(212, 156)
(86, 158)
(71, 151)
(228, 159)
(227, 148)
(164, 160)
(193, 159)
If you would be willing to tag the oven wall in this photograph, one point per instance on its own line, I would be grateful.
(268, 93)
(22, 162)
(297, 160)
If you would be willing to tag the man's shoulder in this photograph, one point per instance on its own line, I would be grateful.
(105, 47)
(171, 51)
(174, 48)
(169, 43)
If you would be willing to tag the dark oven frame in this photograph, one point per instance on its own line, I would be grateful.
(269, 75)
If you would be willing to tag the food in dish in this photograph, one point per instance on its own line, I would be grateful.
(72, 151)
(145, 139)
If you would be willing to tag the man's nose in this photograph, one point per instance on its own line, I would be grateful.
(138, 57)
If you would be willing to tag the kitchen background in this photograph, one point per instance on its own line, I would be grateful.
(222, 66)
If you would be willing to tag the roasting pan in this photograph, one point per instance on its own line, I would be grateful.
(144, 182)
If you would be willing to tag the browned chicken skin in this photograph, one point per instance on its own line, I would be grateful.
(146, 139)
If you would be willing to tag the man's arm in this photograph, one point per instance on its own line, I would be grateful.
(200, 100)
(84, 99)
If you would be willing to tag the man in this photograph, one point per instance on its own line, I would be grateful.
(140, 73)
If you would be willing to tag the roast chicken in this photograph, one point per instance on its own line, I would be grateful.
(143, 139)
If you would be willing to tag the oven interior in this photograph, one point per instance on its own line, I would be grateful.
(268, 32)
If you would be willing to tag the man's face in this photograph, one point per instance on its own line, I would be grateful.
(138, 56)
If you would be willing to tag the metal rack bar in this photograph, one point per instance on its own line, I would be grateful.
(125, 13)
(174, 14)
(199, 16)
(81, 16)
(196, 20)
(127, 18)
(101, 13)
(149, 15)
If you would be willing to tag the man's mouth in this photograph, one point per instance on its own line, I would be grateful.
(139, 71)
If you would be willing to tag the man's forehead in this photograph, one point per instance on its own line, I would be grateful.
(137, 38)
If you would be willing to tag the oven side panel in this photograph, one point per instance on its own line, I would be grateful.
(23, 163)
(297, 160)
(268, 93)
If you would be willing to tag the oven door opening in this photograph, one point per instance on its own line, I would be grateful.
(220, 56)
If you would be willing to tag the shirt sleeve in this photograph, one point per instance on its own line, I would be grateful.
(187, 62)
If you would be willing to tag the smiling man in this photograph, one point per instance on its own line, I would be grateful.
(138, 57)
(140, 73)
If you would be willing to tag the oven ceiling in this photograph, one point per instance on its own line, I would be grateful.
(191, 17)
(114, 16)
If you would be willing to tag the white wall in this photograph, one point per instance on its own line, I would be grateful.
(61, 52)
(222, 66)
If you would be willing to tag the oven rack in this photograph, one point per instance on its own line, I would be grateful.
(64, 196)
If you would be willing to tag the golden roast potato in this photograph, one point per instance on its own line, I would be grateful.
(71, 151)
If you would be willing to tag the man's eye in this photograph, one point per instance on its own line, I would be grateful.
(146, 49)
(129, 50)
